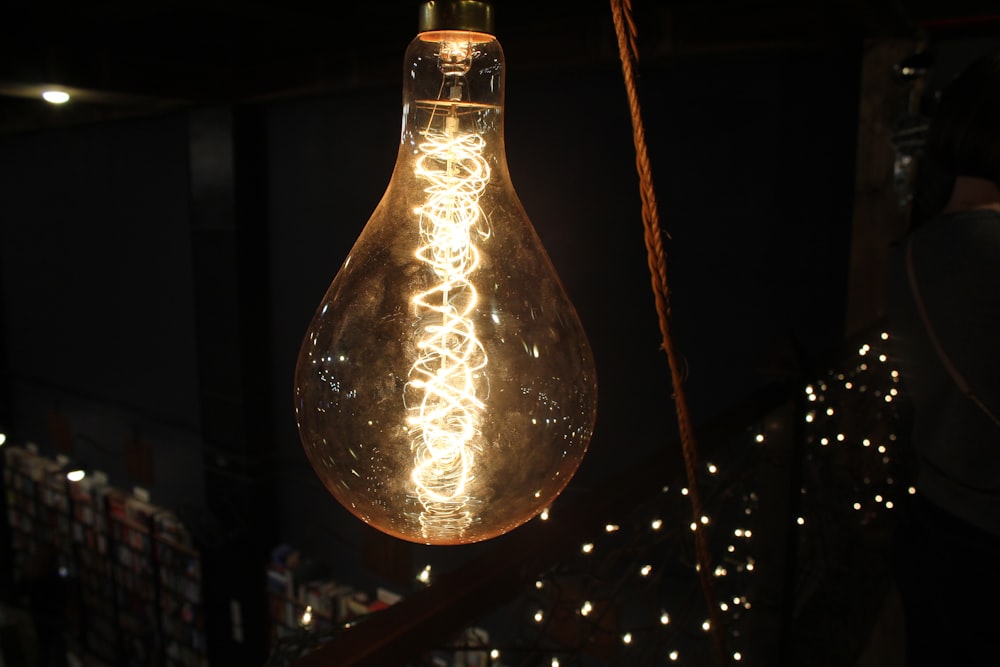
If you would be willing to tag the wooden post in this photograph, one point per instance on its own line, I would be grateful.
(878, 218)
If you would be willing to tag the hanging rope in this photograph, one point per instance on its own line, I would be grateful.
(626, 32)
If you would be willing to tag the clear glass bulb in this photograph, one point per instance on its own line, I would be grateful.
(445, 391)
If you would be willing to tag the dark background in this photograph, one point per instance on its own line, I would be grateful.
(165, 237)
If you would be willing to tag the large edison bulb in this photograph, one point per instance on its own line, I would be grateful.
(445, 391)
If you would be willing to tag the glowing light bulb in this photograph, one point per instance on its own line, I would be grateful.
(445, 390)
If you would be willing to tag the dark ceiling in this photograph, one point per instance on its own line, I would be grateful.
(144, 57)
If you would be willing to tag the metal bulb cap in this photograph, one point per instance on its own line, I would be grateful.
(472, 15)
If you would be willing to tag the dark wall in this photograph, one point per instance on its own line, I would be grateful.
(95, 251)
(753, 161)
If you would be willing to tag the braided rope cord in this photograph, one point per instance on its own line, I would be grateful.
(626, 33)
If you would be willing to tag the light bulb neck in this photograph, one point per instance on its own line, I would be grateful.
(472, 15)
(453, 86)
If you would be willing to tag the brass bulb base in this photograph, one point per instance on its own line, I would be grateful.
(472, 15)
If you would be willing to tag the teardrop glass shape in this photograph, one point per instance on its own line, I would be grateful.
(445, 390)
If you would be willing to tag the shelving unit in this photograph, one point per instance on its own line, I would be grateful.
(133, 566)
(53, 513)
(182, 618)
(137, 571)
(327, 601)
(288, 600)
(134, 570)
(99, 617)
(22, 506)
(38, 509)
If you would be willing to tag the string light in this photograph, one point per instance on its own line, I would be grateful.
(730, 571)
(615, 536)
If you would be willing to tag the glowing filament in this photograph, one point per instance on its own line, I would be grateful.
(447, 383)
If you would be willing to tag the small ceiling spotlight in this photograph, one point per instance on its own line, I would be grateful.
(55, 96)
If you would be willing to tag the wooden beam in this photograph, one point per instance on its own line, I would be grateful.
(878, 218)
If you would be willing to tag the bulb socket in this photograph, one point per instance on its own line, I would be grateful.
(470, 15)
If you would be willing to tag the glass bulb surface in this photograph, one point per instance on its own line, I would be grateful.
(445, 390)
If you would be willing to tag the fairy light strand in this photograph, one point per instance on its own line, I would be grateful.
(636, 538)
(641, 561)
